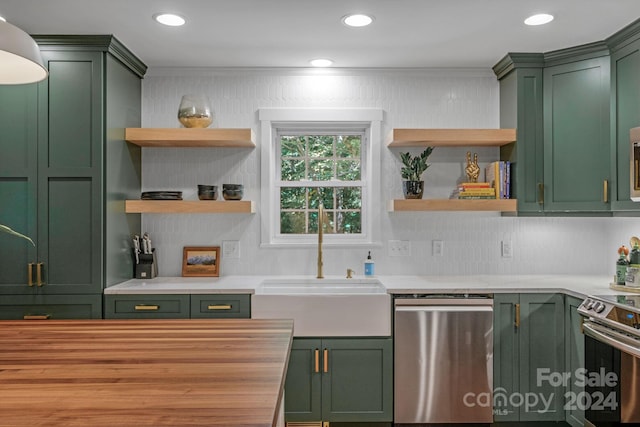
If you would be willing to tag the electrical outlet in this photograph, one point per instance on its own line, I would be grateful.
(507, 249)
(231, 249)
(399, 248)
(437, 247)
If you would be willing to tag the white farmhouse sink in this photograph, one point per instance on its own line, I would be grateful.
(309, 286)
(329, 307)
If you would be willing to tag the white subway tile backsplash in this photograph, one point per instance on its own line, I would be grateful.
(409, 98)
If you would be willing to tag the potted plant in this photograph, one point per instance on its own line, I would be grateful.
(412, 170)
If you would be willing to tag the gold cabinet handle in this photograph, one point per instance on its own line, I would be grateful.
(325, 360)
(36, 316)
(317, 361)
(30, 274)
(517, 319)
(541, 193)
(219, 307)
(39, 281)
(605, 191)
(146, 307)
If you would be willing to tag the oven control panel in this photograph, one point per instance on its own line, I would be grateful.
(614, 314)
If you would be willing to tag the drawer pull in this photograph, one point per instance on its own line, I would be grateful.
(516, 322)
(325, 360)
(146, 307)
(39, 281)
(317, 361)
(30, 273)
(219, 307)
(36, 316)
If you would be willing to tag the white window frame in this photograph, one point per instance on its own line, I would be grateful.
(272, 119)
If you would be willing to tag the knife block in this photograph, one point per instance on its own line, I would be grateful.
(147, 268)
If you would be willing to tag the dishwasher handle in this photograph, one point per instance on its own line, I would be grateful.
(414, 302)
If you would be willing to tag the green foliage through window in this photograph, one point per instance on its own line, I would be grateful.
(323, 167)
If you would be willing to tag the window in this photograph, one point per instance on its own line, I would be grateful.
(314, 156)
(320, 167)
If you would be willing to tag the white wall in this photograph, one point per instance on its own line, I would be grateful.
(409, 98)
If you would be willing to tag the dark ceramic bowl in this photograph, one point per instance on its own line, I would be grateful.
(207, 192)
(232, 191)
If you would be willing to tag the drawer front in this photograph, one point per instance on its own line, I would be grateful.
(45, 307)
(236, 306)
(146, 306)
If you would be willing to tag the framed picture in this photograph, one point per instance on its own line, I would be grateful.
(201, 261)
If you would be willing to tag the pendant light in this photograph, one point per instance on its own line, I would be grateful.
(20, 60)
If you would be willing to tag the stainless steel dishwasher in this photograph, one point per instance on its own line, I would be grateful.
(443, 359)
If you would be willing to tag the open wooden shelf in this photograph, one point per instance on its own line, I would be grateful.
(190, 137)
(414, 205)
(189, 206)
(450, 137)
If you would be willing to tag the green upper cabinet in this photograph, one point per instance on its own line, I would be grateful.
(576, 135)
(559, 104)
(521, 92)
(64, 175)
(625, 106)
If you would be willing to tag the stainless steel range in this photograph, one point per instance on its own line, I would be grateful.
(612, 358)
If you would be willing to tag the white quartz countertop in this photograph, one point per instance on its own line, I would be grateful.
(575, 285)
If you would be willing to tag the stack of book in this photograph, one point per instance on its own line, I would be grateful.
(498, 175)
(475, 190)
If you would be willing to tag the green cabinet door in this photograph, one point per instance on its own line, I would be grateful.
(70, 171)
(576, 136)
(18, 183)
(574, 360)
(340, 380)
(506, 356)
(528, 352)
(542, 354)
(302, 389)
(521, 107)
(625, 72)
(359, 383)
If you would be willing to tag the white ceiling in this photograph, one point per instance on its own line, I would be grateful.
(288, 33)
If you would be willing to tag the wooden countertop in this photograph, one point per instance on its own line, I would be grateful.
(142, 372)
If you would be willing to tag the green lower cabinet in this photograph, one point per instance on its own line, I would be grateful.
(146, 306)
(50, 307)
(340, 380)
(529, 353)
(574, 360)
(223, 306)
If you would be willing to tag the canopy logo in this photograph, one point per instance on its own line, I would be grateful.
(504, 402)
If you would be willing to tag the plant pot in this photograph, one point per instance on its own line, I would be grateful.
(413, 189)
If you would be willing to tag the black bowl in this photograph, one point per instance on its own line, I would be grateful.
(232, 191)
(207, 192)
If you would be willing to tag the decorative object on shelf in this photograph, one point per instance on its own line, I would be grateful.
(472, 169)
(161, 195)
(232, 191)
(195, 111)
(201, 261)
(21, 59)
(207, 192)
(412, 170)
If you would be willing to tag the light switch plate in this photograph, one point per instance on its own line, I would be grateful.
(437, 247)
(230, 249)
(507, 249)
(399, 248)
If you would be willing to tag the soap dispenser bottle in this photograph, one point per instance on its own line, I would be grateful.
(368, 265)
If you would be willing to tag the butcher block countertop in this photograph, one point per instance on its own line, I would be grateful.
(143, 372)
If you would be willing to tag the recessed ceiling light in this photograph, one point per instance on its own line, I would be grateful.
(321, 62)
(357, 20)
(539, 19)
(170, 19)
